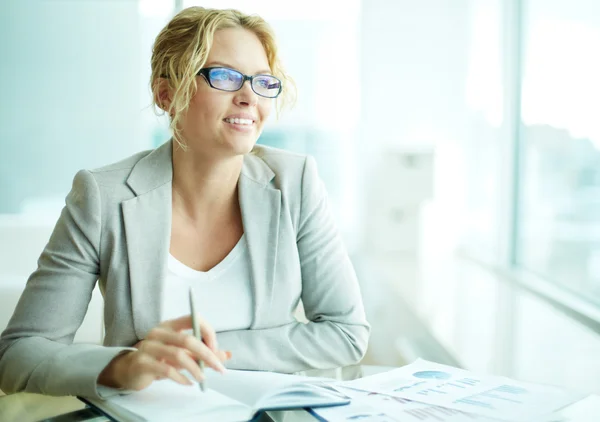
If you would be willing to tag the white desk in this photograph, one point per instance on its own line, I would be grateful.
(26, 407)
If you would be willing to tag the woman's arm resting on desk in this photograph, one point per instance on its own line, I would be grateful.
(296, 347)
(36, 354)
(338, 332)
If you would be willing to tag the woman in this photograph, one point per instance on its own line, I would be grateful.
(246, 225)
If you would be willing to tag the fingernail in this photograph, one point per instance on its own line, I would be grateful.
(228, 354)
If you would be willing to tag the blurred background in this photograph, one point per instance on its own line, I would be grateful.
(458, 140)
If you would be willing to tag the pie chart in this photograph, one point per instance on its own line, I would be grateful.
(433, 375)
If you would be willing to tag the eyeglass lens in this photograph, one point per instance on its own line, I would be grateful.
(231, 80)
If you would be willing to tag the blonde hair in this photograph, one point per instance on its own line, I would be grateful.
(181, 50)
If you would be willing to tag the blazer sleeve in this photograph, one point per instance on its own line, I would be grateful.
(337, 333)
(36, 350)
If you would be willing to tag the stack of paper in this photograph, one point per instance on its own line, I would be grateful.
(427, 391)
(374, 407)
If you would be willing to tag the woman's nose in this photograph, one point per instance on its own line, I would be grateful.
(246, 96)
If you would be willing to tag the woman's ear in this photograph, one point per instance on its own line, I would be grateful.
(163, 94)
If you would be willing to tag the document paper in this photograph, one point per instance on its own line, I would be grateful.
(492, 396)
(375, 407)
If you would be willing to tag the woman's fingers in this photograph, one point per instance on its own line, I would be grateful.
(209, 337)
(162, 370)
(178, 324)
(224, 355)
(202, 352)
(174, 357)
(198, 349)
(165, 335)
(144, 368)
(209, 358)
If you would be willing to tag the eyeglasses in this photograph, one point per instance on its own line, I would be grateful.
(225, 79)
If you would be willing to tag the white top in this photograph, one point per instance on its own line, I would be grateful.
(223, 294)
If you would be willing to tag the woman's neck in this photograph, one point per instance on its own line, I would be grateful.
(203, 186)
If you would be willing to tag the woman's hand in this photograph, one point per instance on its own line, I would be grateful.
(162, 354)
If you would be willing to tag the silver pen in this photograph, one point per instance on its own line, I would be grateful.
(197, 333)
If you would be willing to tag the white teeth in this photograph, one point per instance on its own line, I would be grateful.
(239, 121)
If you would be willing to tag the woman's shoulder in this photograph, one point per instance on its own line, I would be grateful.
(118, 172)
(109, 182)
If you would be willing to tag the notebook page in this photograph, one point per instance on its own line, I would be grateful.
(249, 387)
(166, 400)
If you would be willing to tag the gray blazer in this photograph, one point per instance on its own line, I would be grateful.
(115, 229)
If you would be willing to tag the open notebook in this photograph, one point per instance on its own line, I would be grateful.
(235, 396)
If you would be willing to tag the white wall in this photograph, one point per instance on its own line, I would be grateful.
(70, 94)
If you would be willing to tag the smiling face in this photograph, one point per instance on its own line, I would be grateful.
(228, 123)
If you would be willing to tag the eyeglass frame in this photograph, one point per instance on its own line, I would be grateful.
(205, 71)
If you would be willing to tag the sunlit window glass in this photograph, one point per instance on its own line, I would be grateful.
(559, 230)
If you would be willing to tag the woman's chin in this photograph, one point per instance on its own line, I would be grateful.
(240, 146)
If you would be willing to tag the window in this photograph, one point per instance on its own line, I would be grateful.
(559, 219)
(484, 146)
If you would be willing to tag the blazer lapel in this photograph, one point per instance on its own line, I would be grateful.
(147, 220)
(260, 205)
